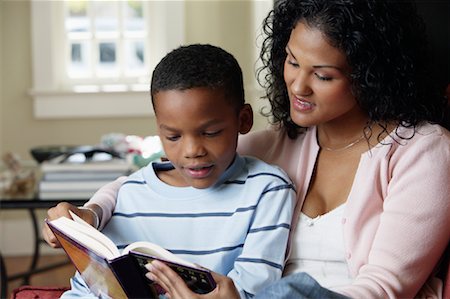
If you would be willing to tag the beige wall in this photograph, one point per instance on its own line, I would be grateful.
(1, 76)
(227, 24)
(224, 23)
(20, 131)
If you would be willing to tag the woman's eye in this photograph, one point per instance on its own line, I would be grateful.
(292, 62)
(323, 78)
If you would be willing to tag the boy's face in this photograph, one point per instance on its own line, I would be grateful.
(199, 129)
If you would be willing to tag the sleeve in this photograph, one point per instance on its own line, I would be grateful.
(78, 289)
(105, 198)
(257, 143)
(264, 251)
(414, 225)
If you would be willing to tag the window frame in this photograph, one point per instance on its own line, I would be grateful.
(53, 96)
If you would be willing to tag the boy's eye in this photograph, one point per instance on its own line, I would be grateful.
(173, 138)
(212, 133)
(323, 78)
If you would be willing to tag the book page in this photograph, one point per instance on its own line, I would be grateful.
(88, 236)
(156, 251)
(79, 220)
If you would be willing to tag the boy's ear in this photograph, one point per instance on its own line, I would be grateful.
(245, 119)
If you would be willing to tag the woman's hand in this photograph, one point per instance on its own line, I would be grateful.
(176, 288)
(62, 210)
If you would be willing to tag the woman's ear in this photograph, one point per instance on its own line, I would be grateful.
(245, 119)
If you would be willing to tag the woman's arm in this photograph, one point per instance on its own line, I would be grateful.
(97, 211)
(411, 229)
(88, 214)
(105, 198)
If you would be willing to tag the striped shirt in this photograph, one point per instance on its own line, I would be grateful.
(239, 227)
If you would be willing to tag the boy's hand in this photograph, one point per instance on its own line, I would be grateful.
(176, 288)
(62, 210)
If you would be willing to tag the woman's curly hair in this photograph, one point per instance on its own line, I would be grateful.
(386, 49)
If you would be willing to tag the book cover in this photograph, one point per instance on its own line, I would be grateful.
(65, 195)
(115, 274)
(63, 190)
(71, 185)
(82, 175)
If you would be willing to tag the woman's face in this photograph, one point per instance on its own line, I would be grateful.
(316, 76)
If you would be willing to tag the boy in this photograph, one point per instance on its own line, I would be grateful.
(228, 213)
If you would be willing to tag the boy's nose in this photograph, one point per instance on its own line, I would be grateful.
(193, 148)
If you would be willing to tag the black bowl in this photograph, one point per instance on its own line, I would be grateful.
(47, 152)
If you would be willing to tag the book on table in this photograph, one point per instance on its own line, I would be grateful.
(111, 273)
(65, 195)
(62, 180)
(82, 175)
(60, 165)
(62, 190)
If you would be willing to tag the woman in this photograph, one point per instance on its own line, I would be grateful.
(353, 109)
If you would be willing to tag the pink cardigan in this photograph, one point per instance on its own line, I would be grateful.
(396, 220)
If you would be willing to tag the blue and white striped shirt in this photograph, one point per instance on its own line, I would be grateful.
(239, 227)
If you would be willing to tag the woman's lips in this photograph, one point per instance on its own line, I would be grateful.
(302, 105)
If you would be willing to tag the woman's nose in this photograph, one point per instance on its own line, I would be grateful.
(300, 84)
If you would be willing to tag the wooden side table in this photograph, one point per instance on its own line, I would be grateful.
(30, 203)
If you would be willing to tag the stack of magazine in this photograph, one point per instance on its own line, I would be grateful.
(63, 179)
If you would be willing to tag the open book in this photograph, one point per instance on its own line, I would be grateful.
(111, 273)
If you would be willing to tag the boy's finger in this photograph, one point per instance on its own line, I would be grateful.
(49, 237)
(172, 282)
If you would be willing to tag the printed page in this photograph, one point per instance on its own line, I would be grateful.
(156, 251)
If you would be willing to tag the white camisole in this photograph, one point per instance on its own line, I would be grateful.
(318, 249)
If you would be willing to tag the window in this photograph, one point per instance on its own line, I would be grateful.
(94, 58)
(106, 40)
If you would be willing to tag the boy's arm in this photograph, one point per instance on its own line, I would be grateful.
(264, 252)
(78, 289)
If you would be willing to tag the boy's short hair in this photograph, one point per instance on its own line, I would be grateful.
(200, 65)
